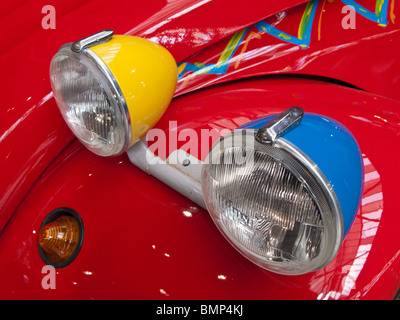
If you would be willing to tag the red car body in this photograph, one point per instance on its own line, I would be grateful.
(144, 240)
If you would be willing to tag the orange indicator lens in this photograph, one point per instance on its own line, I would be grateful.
(60, 238)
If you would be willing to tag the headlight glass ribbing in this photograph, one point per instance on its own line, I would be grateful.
(271, 204)
(88, 102)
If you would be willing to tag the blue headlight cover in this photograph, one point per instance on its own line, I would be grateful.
(332, 147)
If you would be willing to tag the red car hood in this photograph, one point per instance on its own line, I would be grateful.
(32, 132)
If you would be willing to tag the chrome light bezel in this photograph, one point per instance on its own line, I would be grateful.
(305, 170)
(81, 52)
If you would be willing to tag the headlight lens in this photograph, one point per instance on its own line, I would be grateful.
(112, 89)
(88, 103)
(272, 204)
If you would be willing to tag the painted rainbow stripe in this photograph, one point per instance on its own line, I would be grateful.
(302, 39)
(304, 34)
(380, 14)
(223, 62)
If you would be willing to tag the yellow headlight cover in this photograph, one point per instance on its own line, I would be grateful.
(147, 76)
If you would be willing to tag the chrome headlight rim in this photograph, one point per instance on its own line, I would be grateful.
(108, 85)
(321, 191)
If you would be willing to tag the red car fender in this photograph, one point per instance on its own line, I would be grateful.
(144, 240)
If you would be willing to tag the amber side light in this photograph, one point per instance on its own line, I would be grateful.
(60, 239)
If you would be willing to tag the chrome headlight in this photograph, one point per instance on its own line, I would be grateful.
(112, 89)
(271, 201)
(90, 101)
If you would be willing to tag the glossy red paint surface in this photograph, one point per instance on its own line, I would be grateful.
(144, 240)
(32, 131)
(365, 57)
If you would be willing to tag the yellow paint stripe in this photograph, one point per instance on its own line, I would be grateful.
(231, 46)
(305, 20)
